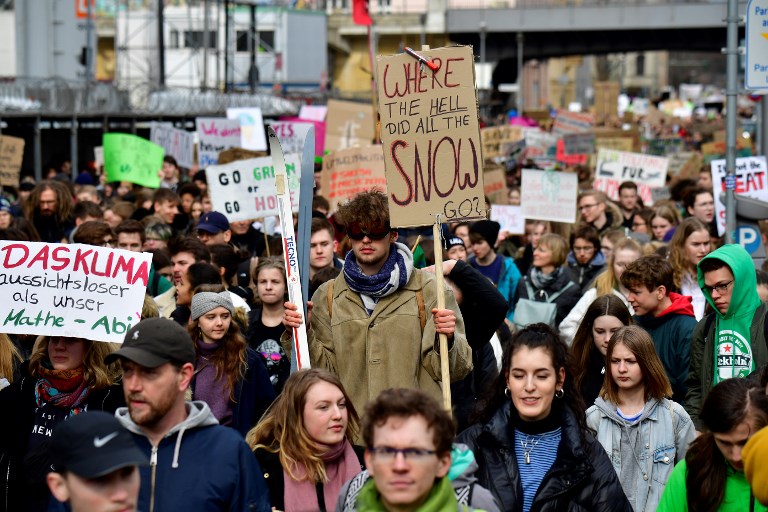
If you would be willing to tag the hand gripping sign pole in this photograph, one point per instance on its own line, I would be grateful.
(300, 347)
(444, 368)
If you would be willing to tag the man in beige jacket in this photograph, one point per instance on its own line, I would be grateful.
(369, 326)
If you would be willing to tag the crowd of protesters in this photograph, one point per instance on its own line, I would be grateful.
(615, 364)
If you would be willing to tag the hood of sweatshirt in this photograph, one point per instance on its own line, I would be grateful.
(681, 305)
(597, 261)
(198, 415)
(744, 297)
(609, 410)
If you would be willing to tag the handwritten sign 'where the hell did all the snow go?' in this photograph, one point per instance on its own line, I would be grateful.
(72, 290)
(431, 136)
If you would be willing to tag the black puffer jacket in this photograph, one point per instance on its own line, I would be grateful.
(581, 478)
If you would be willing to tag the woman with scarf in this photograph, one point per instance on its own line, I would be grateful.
(643, 432)
(230, 377)
(548, 280)
(303, 443)
(532, 445)
(62, 378)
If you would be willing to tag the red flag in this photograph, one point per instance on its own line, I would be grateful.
(360, 14)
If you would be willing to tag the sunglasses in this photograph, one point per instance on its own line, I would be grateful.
(357, 233)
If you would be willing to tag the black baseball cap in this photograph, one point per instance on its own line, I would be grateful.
(213, 222)
(154, 342)
(93, 444)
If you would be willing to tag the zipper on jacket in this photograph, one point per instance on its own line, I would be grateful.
(153, 469)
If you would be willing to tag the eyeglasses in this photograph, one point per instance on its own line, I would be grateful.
(388, 453)
(719, 288)
(587, 206)
(356, 233)
(588, 248)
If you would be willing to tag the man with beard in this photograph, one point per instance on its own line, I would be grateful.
(49, 208)
(195, 464)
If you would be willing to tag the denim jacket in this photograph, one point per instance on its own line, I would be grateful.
(666, 430)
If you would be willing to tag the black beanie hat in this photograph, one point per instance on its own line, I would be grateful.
(488, 229)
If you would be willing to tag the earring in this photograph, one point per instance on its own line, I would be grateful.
(560, 393)
(506, 392)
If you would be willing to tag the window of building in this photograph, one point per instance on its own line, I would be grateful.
(640, 65)
(194, 38)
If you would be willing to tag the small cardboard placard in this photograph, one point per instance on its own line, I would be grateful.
(72, 290)
(430, 132)
(572, 122)
(549, 195)
(751, 181)
(11, 156)
(131, 158)
(348, 124)
(245, 189)
(180, 144)
(616, 167)
(348, 172)
(214, 135)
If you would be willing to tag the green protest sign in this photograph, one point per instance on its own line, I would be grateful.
(131, 158)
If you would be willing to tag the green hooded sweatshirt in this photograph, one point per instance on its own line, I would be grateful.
(733, 350)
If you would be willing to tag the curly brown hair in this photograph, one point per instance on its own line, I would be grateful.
(64, 200)
(366, 209)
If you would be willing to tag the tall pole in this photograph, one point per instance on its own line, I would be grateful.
(763, 120)
(732, 66)
(206, 37)
(226, 45)
(89, 41)
(253, 70)
(160, 45)
(520, 103)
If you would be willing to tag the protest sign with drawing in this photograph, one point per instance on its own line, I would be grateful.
(429, 127)
(215, 134)
(72, 290)
(509, 217)
(252, 134)
(245, 189)
(131, 158)
(348, 172)
(349, 124)
(751, 181)
(180, 144)
(549, 195)
(616, 167)
(11, 156)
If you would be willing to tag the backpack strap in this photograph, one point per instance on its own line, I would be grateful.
(330, 298)
(555, 295)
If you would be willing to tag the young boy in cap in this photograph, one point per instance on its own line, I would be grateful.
(501, 270)
(196, 463)
(95, 464)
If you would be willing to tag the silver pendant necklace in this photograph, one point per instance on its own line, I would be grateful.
(527, 451)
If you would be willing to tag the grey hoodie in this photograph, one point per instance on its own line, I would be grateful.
(659, 439)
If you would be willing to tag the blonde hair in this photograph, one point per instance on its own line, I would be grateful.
(282, 429)
(607, 281)
(9, 355)
(97, 374)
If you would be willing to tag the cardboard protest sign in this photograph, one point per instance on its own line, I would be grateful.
(180, 144)
(234, 154)
(495, 138)
(348, 124)
(11, 156)
(716, 150)
(291, 134)
(510, 217)
(549, 195)
(245, 189)
(540, 145)
(751, 181)
(348, 172)
(73, 290)
(495, 184)
(252, 134)
(131, 158)
(579, 143)
(606, 99)
(429, 127)
(215, 134)
(98, 156)
(616, 167)
(684, 165)
(665, 146)
(572, 122)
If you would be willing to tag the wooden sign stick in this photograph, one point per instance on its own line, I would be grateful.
(445, 372)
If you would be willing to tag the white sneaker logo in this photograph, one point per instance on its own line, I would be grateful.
(98, 442)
